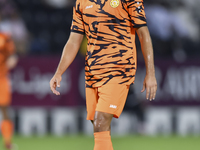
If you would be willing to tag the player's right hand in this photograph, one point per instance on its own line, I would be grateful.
(55, 82)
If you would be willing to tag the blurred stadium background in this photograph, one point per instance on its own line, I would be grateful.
(43, 121)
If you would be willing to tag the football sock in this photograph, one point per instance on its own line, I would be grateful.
(7, 130)
(102, 141)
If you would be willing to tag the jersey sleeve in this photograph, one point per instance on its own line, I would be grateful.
(77, 22)
(136, 13)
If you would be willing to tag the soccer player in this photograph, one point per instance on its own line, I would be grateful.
(7, 61)
(110, 27)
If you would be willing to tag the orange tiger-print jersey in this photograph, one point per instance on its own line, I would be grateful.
(109, 26)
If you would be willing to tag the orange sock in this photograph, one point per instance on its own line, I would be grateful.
(102, 141)
(7, 130)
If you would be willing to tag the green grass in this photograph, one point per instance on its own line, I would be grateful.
(80, 142)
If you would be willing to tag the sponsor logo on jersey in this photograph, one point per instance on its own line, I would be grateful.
(114, 3)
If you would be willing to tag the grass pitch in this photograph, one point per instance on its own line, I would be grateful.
(81, 142)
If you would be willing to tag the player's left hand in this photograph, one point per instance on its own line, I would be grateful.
(150, 84)
(54, 83)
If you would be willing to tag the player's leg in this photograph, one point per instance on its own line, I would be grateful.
(102, 121)
(4, 112)
(93, 125)
(6, 125)
(102, 136)
(92, 121)
(102, 104)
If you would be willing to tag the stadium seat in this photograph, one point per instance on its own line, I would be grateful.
(64, 120)
(188, 121)
(158, 121)
(32, 121)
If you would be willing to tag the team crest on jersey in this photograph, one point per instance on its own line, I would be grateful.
(114, 3)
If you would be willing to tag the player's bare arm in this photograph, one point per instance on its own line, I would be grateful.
(69, 53)
(150, 83)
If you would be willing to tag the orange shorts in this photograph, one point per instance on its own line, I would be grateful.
(109, 98)
(5, 92)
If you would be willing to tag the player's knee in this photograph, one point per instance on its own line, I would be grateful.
(4, 112)
(101, 123)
